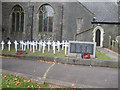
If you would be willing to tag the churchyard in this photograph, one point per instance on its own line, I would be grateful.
(42, 48)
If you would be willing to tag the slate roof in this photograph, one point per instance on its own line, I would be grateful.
(104, 11)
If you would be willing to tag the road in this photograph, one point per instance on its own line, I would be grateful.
(65, 75)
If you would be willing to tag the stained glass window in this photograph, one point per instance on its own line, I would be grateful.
(46, 15)
(17, 19)
(17, 23)
(22, 21)
(40, 21)
(13, 22)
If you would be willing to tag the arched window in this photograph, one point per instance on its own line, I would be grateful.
(45, 15)
(17, 19)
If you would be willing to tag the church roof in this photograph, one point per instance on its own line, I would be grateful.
(104, 11)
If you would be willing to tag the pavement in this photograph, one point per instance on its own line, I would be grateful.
(76, 76)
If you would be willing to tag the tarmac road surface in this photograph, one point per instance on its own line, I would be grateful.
(65, 75)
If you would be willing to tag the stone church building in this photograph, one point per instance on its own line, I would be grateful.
(81, 21)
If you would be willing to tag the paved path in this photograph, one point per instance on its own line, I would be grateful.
(108, 52)
(65, 75)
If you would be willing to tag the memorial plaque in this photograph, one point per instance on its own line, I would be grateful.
(77, 47)
(73, 48)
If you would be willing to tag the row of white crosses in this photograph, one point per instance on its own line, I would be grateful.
(32, 45)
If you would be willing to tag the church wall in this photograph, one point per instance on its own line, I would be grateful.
(6, 8)
(72, 12)
(57, 20)
(110, 30)
(86, 36)
(65, 17)
(65, 24)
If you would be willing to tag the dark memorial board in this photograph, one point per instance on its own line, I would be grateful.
(81, 47)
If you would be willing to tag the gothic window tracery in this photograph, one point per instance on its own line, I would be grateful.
(46, 16)
(17, 19)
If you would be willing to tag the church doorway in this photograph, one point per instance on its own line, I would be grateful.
(97, 37)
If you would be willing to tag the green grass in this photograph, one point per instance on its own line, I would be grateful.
(99, 55)
(37, 52)
(102, 56)
(13, 81)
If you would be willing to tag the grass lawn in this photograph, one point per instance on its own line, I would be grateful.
(99, 55)
(13, 81)
(102, 56)
(37, 52)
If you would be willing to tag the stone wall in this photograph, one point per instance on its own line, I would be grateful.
(6, 8)
(65, 17)
(65, 22)
(72, 12)
(110, 30)
(85, 36)
(56, 34)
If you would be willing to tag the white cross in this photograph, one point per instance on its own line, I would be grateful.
(40, 45)
(63, 44)
(28, 44)
(9, 43)
(25, 44)
(66, 45)
(48, 43)
(53, 44)
(33, 43)
(58, 45)
(36, 44)
(44, 44)
(16, 43)
(2, 43)
(22, 43)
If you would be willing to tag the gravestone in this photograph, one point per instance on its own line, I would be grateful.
(39, 36)
(78, 48)
(109, 44)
